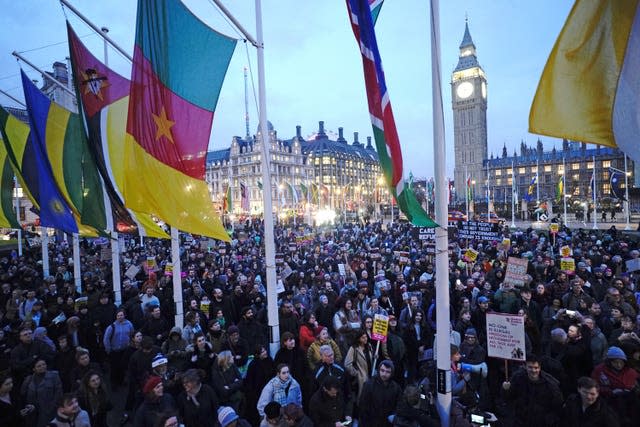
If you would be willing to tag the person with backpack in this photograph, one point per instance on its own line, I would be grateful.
(116, 341)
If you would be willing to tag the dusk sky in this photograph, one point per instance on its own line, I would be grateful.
(313, 65)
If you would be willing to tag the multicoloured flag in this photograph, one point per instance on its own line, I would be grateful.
(294, 193)
(560, 189)
(616, 179)
(34, 173)
(227, 202)
(589, 88)
(469, 189)
(531, 191)
(104, 96)
(179, 65)
(244, 197)
(304, 190)
(315, 199)
(60, 135)
(8, 216)
(384, 127)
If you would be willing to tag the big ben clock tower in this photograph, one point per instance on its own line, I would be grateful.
(469, 99)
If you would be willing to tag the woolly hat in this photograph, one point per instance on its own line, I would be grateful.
(471, 331)
(558, 335)
(483, 299)
(616, 353)
(233, 329)
(159, 359)
(226, 415)
(151, 383)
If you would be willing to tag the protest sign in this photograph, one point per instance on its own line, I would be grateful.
(105, 253)
(568, 265)
(279, 259)
(380, 327)
(554, 228)
(633, 264)
(168, 269)
(427, 236)
(471, 254)
(342, 270)
(132, 272)
(150, 264)
(516, 272)
(505, 336)
(374, 253)
(565, 251)
(478, 230)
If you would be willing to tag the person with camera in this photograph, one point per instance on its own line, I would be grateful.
(533, 396)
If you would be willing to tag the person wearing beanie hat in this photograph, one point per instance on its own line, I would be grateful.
(156, 402)
(158, 359)
(616, 379)
(227, 417)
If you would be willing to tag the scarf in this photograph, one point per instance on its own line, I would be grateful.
(280, 390)
(193, 397)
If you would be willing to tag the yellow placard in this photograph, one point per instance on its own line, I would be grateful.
(380, 327)
(471, 254)
(568, 264)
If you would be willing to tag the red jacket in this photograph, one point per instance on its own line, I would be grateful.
(307, 336)
(610, 379)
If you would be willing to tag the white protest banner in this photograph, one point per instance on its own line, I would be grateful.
(132, 272)
(633, 264)
(516, 272)
(342, 270)
(505, 336)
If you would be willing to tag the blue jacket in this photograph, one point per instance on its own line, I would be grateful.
(294, 394)
(117, 336)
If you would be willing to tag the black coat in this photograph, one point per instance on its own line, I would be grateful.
(597, 415)
(534, 404)
(149, 412)
(326, 411)
(202, 415)
(377, 401)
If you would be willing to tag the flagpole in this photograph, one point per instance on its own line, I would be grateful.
(537, 190)
(513, 196)
(593, 196)
(626, 195)
(488, 194)
(272, 294)
(466, 193)
(443, 321)
(45, 252)
(564, 189)
(115, 242)
(17, 101)
(177, 276)
(44, 74)
(76, 263)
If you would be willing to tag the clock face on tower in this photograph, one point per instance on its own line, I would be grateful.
(484, 90)
(464, 90)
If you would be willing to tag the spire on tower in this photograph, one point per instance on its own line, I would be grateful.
(467, 41)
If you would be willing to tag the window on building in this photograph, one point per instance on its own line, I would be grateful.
(575, 166)
(522, 170)
(589, 165)
(534, 170)
(547, 168)
(498, 172)
(606, 163)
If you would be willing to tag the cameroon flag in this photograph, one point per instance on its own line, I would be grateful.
(179, 64)
(8, 218)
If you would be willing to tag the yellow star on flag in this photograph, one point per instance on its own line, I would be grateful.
(164, 125)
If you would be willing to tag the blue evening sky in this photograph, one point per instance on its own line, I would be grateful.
(313, 66)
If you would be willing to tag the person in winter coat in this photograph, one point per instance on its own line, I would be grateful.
(599, 344)
(156, 402)
(41, 389)
(294, 416)
(175, 348)
(292, 356)
(327, 406)
(359, 360)
(618, 384)
(587, 409)
(282, 388)
(227, 417)
(313, 353)
(533, 395)
(27, 352)
(94, 398)
(198, 402)
(379, 397)
(200, 355)
(227, 382)
(308, 330)
(260, 371)
(116, 341)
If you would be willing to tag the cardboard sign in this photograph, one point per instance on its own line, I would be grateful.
(633, 264)
(279, 259)
(505, 244)
(471, 254)
(204, 306)
(404, 257)
(150, 264)
(516, 272)
(427, 236)
(565, 251)
(342, 270)
(554, 228)
(132, 272)
(568, 265)
(375, 253)
(105, 253)
(168, 269)
(505, 336)
(380, 327)
(280, 286)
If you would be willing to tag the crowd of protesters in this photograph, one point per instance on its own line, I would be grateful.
(71, 357)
